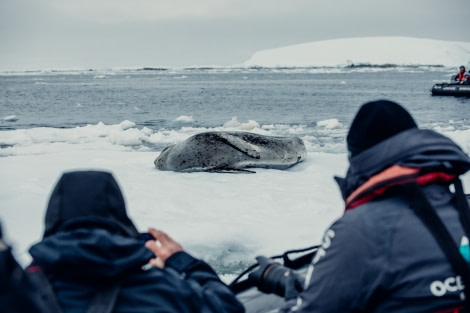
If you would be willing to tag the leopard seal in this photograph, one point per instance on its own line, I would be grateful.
(226, 151)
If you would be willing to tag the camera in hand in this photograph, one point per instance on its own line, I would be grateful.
(272, 277)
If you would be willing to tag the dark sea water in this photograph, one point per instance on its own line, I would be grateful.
(155, 98)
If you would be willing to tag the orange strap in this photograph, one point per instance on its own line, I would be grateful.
(392, 176)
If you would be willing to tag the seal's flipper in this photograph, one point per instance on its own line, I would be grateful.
(228, 169)
(240, 144)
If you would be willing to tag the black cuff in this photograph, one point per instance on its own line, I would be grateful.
(180, 261)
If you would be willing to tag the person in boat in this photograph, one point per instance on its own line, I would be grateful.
(461, 77)
(93, 257)
(380, 256)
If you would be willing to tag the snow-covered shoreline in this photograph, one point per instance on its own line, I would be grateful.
(366, 50)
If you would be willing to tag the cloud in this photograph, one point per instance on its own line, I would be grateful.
(114, 11)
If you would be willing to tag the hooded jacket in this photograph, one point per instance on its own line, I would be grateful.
(379, 256)
(90, 244)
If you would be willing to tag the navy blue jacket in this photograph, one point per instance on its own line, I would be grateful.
(379, 256)
(17, 292)
(78, 262)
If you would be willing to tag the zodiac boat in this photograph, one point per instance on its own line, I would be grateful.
(446, 89)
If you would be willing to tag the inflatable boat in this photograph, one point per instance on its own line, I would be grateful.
(261, 286)
(452, 89)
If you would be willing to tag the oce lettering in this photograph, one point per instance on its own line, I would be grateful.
(330, 234)
(451, 284)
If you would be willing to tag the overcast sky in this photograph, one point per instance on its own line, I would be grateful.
(58, 34)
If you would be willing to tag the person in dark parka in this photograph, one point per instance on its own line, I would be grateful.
(90, 244)
(379, 256)
(17, 291)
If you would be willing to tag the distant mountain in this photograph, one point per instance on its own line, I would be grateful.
(366, 51)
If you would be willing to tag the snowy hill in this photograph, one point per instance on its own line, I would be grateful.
(366, 50)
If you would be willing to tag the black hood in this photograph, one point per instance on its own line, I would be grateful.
(417, 148)
(90, 253)
(82, 194)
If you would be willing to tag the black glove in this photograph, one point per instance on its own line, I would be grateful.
(272, 277)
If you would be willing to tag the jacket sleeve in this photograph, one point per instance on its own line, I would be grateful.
(17, 291)
(216, 296)
(342, 275)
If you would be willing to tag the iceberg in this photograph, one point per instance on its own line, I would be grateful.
(402, 51)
